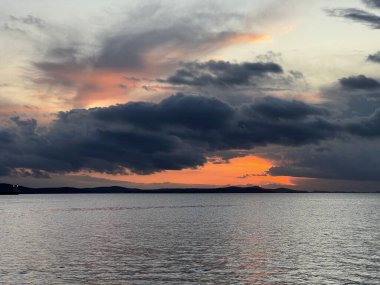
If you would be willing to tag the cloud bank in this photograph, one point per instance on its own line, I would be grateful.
(179, 132)
(182, 131)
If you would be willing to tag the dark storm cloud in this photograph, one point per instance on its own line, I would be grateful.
(362, 104)
(374, 57)
(372, 3)
(221, 73)
(182, 131)
(347, 160)
(360, 82)
(357, 157)
(184, 111)
(356, 104)
(367, 126)
(352, 96)
(25, 126)
(6, 137)
(277, 109)
(179, 132)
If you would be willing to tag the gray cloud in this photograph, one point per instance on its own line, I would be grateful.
(34, 173)
(356, 95)
(130, 51)
(356, 156)
(10, 28)
(278, 109)
(23, 24)
(374, 57)
(346, 160)
(179, 132)
(357, 15)
(222, 73)
(367, 126)
(360, 82)
(183, 131)
(59, 73)
(136, 45)
(372, 3)
(259, 78)
(355, 107)
(6, 137)
(129, 44)
(29, 20)
(170, 34)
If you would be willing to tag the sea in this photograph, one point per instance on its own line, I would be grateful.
(115, 239)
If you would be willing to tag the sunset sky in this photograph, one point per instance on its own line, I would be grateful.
(190, 93)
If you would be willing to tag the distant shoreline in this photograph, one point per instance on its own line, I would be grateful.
(7, 189)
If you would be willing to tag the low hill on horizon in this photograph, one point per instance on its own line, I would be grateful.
(9, 189)
(118, 189)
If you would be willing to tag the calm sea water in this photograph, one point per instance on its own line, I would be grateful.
(190, 239)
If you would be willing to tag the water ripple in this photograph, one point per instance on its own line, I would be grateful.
(190, 239)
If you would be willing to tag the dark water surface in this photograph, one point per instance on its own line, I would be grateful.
(190, 239)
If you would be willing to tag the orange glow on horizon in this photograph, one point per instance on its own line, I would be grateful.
(248, 170)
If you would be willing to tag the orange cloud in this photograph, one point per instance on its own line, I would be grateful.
(81, 85)
(92, 88)
(100, 88)
(246, 38)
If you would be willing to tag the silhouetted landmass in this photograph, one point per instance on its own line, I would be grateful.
(7, 188)
(10, 189)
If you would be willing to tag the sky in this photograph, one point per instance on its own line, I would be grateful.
(194, 93)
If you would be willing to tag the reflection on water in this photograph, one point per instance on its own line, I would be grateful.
(190, 239)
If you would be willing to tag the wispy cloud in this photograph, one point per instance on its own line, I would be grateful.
(359, 15)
